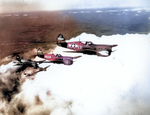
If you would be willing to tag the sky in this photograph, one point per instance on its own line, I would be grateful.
(78, 4)
(93, 3)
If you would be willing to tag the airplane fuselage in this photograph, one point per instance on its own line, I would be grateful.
(87, 46)
(58, 57)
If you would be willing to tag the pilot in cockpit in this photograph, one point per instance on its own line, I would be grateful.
(88, 43)
(58, 55)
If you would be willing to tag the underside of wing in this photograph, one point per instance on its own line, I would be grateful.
(85, 51)
(39, 62)
(92, 52)
(45, 61)
(18, 64)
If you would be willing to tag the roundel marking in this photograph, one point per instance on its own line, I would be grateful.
(73, 45)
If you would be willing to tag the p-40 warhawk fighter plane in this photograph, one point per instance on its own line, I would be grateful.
(87, 48)
(24, 63)
(56, 58)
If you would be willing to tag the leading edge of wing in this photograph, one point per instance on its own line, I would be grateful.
(81, 51)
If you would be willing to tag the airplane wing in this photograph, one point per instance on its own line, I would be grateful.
(43, 69)
(77, 57)
(72, 51)
(43, 61)
(81, 51)
(18, 64)
(39, 62)
(46, 61)
(90, 52)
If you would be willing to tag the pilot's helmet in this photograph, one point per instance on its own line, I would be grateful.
(58, 55)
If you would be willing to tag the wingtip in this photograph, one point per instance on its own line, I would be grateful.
(77, 57)
(115, 45)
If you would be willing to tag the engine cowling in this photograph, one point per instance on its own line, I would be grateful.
(67, 61)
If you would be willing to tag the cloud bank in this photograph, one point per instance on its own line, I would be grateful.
(118, 84)
(113, 85)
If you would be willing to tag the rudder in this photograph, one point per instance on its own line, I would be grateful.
(40, 53)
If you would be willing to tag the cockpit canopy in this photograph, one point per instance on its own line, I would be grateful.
(60, 37)
(88, 43)
(58, 55)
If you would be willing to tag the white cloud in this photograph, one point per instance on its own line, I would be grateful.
(99, 85)
(118, 84)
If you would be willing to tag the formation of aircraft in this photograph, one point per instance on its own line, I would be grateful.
(86, 47)
(56, 58)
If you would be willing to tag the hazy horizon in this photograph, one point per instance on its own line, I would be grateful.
(44, 5)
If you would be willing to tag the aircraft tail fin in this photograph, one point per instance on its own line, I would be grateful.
(40, 53)
(60, 38)
(61, 41)
(18, 58)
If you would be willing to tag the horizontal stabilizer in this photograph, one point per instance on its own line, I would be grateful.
(44, 69)
(77, 57)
